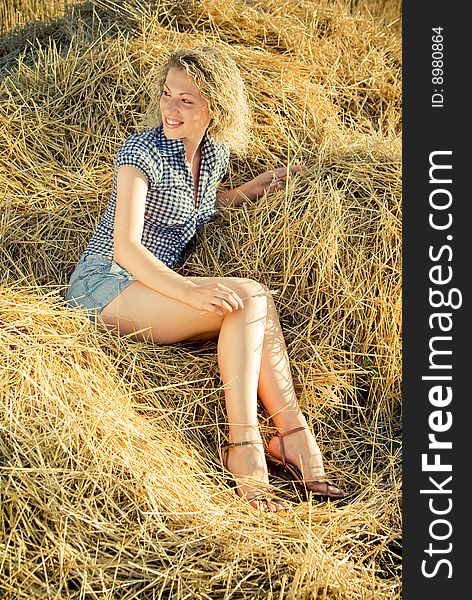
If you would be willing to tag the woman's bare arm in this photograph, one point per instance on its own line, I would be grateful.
(129, 251)
(234, 197)
(267, 182)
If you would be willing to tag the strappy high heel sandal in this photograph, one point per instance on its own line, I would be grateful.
(319, 487)
(264, 496)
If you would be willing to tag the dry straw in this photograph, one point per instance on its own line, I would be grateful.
(111, 486)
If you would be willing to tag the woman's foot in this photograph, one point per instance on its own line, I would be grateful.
(299, 448)
(249, 469)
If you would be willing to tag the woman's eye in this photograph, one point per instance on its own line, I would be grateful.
(164, 93)
(186, 101)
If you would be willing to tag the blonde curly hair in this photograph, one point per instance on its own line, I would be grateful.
(219, 80)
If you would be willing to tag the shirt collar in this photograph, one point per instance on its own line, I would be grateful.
(171, 147)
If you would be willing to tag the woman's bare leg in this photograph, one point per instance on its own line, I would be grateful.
(277, 393)
(147, 314)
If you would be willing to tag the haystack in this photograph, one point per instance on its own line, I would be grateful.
(111, 485)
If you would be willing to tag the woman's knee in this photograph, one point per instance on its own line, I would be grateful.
(248, 288)
(253, 294)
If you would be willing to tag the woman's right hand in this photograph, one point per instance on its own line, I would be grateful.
(214, 297)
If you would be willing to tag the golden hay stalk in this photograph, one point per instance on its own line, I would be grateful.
(110, 480)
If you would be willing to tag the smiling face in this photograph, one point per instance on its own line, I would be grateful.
(185, 112)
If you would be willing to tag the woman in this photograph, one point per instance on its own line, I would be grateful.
(164, 188)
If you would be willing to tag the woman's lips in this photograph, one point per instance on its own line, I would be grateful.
(172, 123)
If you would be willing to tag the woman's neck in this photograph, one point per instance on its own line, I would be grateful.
(192, 149)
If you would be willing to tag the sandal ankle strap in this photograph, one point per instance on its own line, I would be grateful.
(224, 449)
(281, 435)
(245, 443)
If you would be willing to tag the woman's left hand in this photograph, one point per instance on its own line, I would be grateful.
(271, 181)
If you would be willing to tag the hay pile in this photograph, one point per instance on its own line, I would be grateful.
(111, 485)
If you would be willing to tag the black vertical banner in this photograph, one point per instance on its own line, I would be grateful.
(437, 240)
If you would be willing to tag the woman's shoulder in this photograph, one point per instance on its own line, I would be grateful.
(221, 149)
(140, 150)
(139, 140)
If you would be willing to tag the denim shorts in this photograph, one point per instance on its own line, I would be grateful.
(95, 282)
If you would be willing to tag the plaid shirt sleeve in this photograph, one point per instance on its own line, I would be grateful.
(134, 153)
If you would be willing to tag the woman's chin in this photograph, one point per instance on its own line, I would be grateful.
(173, 133)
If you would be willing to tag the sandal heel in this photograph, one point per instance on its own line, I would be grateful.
(321, 488)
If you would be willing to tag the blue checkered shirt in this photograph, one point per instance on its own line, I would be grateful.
(171, 217)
